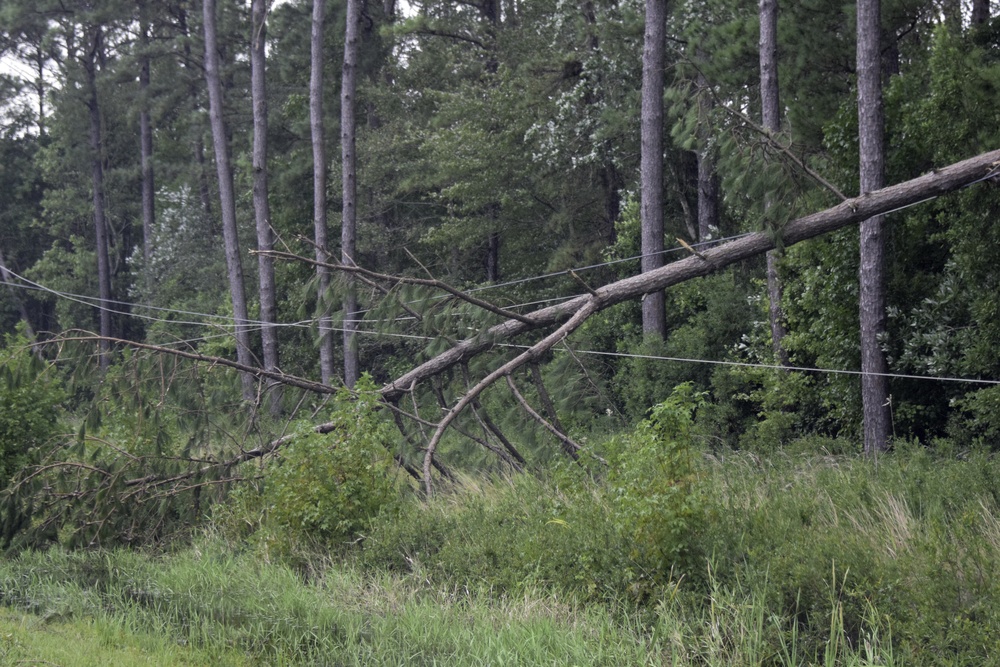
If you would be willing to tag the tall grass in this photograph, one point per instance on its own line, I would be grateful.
(801, 560)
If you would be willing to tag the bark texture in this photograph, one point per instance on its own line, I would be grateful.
(874, 383)
(326, 358)
(771, 120)
(96, 39)
(348, 231)
(227, 199)
(708, 195)
(651, 161)
(980, 11)
(146, 146)
(261, 206)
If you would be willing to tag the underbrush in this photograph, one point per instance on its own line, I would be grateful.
(801, 558)
(796, 559)
(219, 603)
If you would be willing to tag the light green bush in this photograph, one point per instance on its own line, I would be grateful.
(330, 486)
(656, 488)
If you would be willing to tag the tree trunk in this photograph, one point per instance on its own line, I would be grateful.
(651, 161)
(262, 210)
(227, 199)
(980, 11)
(97, 186)
(707, 178)
(146, 148)
(708, 196)
(326, 358)
(204, 191)
(611, 183)
(771, 117)
(874, 384)
(348, 232)
(493, 258)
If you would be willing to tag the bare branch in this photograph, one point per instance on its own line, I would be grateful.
(283, 378)
(425, 282)
(588, 308)
(568, 446)
(769, 137)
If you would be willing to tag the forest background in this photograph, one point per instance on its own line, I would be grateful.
(173, 175)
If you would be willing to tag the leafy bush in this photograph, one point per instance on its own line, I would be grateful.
(656, 487)
(330, 486)
(619, 535)
(30, 395)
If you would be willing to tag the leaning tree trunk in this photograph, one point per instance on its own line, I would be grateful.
(848, 212)
(326, 358)
(227, 199)
(874, 383)
(262, 210)
(573, 313)
(348, 233)
(97, 186)
(651, 161)
(771, 117)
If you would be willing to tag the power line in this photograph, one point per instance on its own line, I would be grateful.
(385, 334)
(743, 364)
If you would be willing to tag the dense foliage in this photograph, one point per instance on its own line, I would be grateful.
(708, 500)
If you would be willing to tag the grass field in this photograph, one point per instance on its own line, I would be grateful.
(803, 560)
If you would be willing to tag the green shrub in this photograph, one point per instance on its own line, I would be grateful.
(30, 395)
(620, 535)
(656, 487)
(330, 486)
(510, 535)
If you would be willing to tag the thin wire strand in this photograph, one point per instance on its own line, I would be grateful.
(90, 302)
(744, 364)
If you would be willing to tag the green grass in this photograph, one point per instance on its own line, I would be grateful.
(26, 639)
(802, 560)
(235, 609)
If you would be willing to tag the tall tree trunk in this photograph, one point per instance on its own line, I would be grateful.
(204, 191)
(97, 186)
(708, 195)
(227, 199)
(980, 11)
(326, 358)
(651, 161)
(262, 210)
(39, 85)
(707, 178)
(874, 383)
(348, 232)
(771, 117)
(146, 147)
